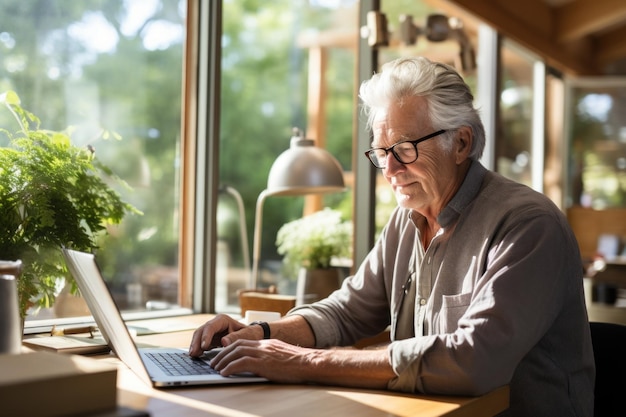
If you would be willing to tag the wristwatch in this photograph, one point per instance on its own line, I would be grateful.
(265, 326)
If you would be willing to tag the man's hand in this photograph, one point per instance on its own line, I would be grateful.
(282, 362)
(221, 331)
(273, 359)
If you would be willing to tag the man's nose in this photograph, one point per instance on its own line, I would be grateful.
(393, 165)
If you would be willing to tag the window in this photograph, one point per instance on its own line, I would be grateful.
(285, 64)
(127, 66)
(597, 143)
(515, 153)
(114, 65)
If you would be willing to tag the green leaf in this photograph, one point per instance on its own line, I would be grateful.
(10, 98)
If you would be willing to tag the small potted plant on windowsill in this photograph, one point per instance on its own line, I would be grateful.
(53, 194)
(313, 247)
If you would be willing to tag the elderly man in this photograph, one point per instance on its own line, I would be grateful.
(478, 277)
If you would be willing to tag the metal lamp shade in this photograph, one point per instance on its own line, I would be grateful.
(304, 169)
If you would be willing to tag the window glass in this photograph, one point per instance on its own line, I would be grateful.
(597, 143)
(278, 57)
(514, 133)
(113, 65)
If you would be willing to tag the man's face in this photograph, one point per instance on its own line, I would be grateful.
(427, 184)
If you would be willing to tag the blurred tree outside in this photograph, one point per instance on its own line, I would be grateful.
(113, 65)
(264, 95)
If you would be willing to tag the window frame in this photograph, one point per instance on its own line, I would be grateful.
(200, 169)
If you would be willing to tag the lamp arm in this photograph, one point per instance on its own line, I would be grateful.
(256, 248)
(242, 225)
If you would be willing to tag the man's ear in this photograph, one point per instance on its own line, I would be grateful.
(463, 143)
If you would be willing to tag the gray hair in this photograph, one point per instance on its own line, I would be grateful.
(449, 99)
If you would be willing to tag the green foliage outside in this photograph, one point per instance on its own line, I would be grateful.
(54, 55)
(264, 94)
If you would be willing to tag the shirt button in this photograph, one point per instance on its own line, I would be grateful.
(422, 301)
(429, 258)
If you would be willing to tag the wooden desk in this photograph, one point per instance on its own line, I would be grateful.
(268, 399)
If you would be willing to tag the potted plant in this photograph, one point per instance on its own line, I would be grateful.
(313, 247)
(53, 194)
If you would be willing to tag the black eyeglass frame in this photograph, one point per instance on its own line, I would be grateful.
(369, 152)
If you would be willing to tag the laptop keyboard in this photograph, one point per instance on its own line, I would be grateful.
(177, 364)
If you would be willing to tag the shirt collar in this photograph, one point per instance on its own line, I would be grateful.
(466, 193)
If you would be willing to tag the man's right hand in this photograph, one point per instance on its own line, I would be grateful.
(222, 330)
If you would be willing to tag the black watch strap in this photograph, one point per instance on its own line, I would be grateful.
(265, 326)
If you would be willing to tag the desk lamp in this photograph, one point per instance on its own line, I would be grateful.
(302, 169)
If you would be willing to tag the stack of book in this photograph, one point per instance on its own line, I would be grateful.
(47, 384)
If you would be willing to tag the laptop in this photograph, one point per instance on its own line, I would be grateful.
(155, 366)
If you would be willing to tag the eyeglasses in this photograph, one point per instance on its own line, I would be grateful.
(405, 152)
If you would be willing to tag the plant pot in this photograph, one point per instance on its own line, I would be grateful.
(70, 305)
(316, 284)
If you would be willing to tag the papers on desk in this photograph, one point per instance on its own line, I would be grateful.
(86, 344)
(80, 345)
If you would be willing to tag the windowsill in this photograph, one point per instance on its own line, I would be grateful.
(45, 325)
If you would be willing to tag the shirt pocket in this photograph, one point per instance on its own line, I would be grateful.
(452, 309)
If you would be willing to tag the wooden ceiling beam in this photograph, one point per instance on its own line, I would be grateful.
(580, 18)
(533, 31)
(536, 15)
(610, 47)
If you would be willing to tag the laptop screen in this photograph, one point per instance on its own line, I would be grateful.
(85, 271)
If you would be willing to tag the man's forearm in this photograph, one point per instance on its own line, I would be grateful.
(346, 367)
(294, 330)
(350, 367)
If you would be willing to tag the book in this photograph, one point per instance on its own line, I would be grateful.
(80, 345)
(46, 384)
